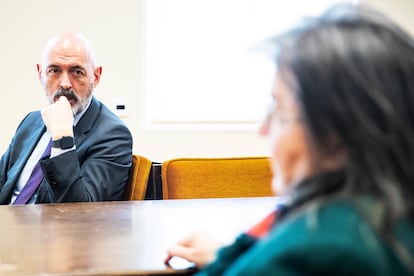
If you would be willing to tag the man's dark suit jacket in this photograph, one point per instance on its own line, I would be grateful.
(97, 171)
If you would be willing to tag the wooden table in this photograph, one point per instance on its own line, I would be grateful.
(114, 238)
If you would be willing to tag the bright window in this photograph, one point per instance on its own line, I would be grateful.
(200, 70)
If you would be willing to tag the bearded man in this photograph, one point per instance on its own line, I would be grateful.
(76, 149)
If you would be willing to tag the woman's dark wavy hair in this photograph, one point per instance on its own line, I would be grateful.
(353, 71)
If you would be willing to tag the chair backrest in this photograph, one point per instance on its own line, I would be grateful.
(138, 178)
(216, 177)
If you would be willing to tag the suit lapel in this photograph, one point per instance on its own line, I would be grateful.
(25, 140)
(25, 145)
(86, 122)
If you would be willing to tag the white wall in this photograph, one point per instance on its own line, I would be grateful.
(400, 10)
(114, 28)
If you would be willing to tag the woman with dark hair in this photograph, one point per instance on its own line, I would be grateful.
(342, 133)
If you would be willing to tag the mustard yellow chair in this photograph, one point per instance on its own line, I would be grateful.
(184, 178)
(138, 178)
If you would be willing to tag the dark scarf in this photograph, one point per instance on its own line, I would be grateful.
(312, 188)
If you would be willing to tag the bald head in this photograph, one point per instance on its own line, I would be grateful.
(70, 44)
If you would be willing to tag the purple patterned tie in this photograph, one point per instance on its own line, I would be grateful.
(34, 180)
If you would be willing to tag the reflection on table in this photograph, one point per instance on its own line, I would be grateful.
(115, 238)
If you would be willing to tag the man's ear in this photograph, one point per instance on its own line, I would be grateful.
(97, 74)
(39, 71)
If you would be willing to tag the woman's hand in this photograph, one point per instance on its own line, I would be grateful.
(198, 248)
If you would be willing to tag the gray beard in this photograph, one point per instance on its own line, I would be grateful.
(80, 103)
